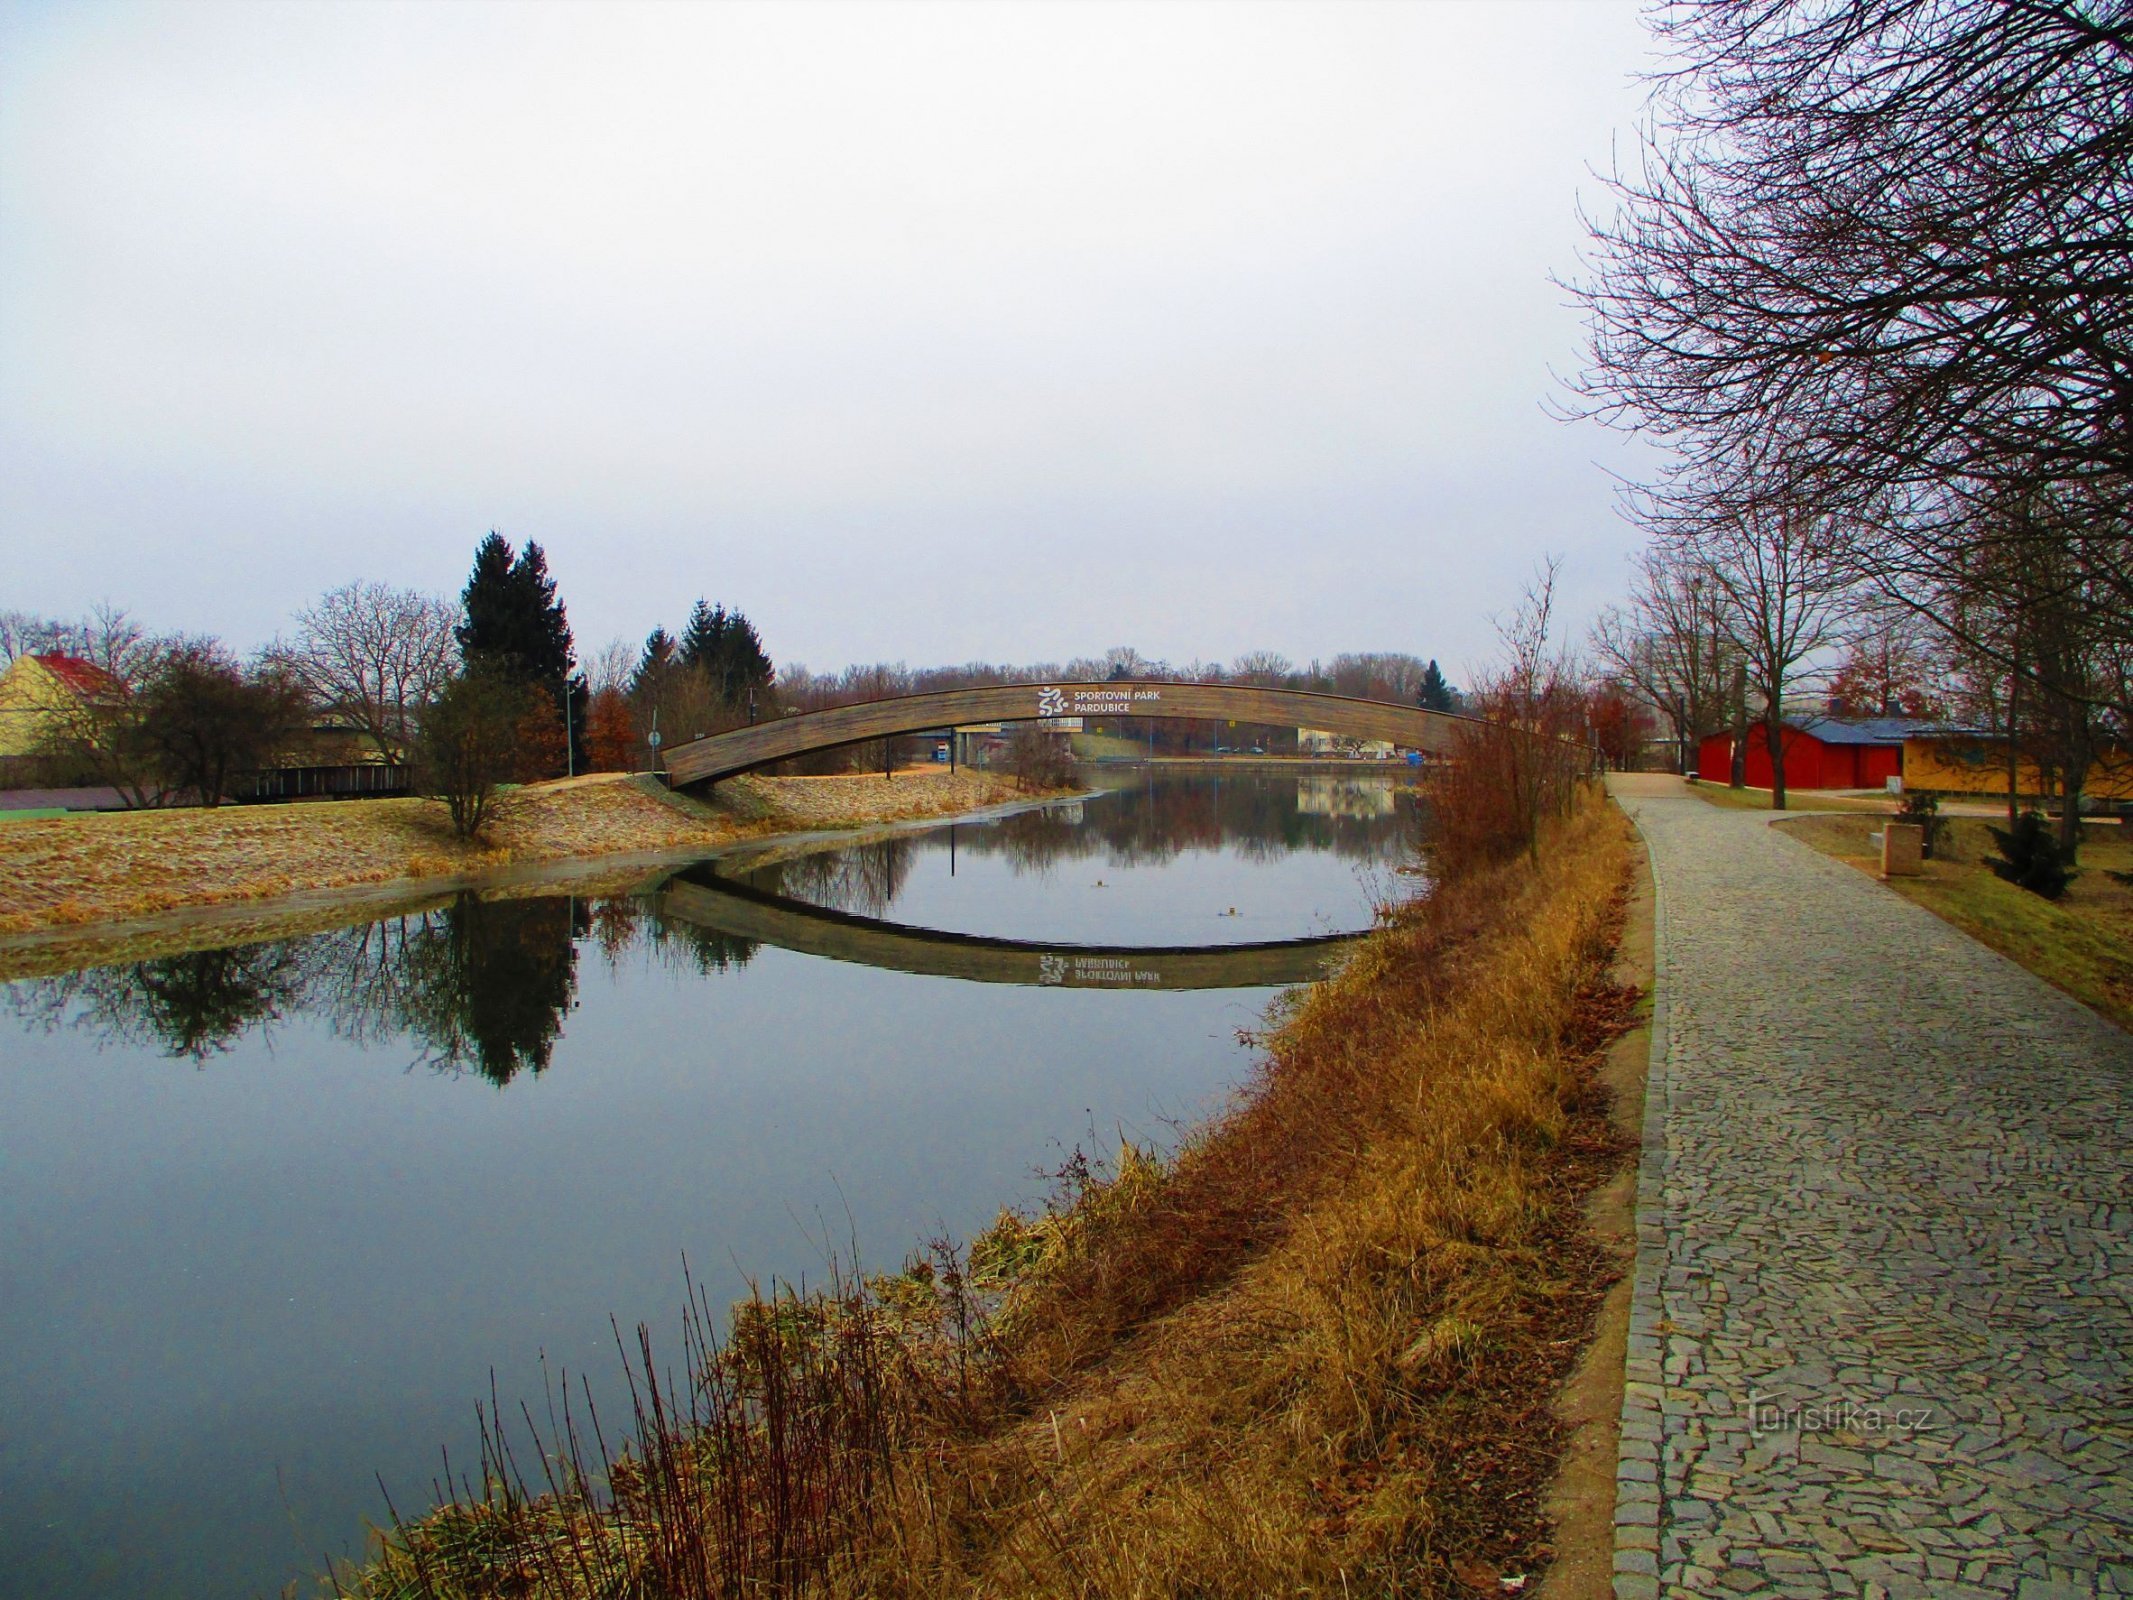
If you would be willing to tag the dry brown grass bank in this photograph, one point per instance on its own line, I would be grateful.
(1312, 1354)
(79, 870)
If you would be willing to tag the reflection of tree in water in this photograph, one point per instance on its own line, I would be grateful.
(502, 976)
(1154, 822)
(1032, 841)
(195, 1005)
(479, 983)
(625, 924)
(863, 879)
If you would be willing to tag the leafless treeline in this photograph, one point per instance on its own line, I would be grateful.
(1869, 277)
(1374, 675)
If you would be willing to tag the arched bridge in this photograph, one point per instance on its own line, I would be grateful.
(724, 754)
(743, 912)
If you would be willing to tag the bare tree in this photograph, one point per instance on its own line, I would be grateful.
(107, 638)
(1898, 231)
(23, 633)
(375, 654)
(1902, 224)
(1784, 598)
(1670, 644)
(612, 666)
(92, 733)
(1268, 668)
(1891, 658)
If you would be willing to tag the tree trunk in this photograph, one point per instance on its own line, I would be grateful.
(1739, 779)
(2014, 745)
(1774, 736)
(2074, 775)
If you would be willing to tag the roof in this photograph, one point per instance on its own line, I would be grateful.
(1848, 730)
(1858, 730)
(83, 677)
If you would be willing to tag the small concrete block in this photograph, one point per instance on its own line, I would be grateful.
(1903, 848)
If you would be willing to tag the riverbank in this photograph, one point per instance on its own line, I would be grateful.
(77, 871)
(1315, 1352)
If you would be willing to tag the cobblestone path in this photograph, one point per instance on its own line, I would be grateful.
(1882, 1336)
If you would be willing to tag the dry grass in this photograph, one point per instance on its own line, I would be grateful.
(2082, 943)
(1315, 1354)
(1312, 1354)
(79, 870)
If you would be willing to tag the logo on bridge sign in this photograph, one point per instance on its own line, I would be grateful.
(1051, 702)
(1052, 969)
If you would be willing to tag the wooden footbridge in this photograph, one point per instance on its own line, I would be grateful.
(705, 761)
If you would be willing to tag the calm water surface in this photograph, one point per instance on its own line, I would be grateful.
(274, 1214)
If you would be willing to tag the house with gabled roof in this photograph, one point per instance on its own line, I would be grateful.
(38, 691)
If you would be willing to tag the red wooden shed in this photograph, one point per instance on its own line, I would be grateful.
(1820, 753)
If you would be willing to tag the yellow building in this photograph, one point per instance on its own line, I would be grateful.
(37, 690)
(1969, 761)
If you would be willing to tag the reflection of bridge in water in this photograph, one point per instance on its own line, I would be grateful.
(742, 912)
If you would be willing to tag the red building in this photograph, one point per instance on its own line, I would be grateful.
(1820, 753)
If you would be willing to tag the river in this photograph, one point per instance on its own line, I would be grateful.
(277, 1215)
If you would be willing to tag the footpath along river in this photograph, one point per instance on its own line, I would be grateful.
(275, 1214)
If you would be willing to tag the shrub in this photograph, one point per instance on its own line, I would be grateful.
(1524, 761)
(2030, 857)
(1922, 811)
(1039, 760)
(469, 745)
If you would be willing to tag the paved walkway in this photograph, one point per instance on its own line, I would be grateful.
(1882, 1338)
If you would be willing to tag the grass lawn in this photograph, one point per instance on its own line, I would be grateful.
(1718, 794)
(2082, 943)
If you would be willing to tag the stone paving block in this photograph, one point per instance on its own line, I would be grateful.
(1882, 1168)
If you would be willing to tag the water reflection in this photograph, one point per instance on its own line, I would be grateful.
(473, 986)
(235, 1298)
(747, 914)
(1358, 819)
(195, 1005)
(484, 986)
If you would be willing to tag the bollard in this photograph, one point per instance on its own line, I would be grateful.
(1902, 850)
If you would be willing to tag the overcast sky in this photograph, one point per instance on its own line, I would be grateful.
(918, 332)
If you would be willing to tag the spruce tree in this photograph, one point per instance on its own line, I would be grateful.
(515, 627)
(1435, 694)
(703, 641)
(743, 665)
(660, 657)
(724, 646)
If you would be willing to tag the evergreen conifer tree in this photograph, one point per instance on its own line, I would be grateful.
(743, 665)
(515, 626)
(1435, 694)
(724, 646)
(661, 656)
(703, 641)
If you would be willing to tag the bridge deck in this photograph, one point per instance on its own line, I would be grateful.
(724, 754)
